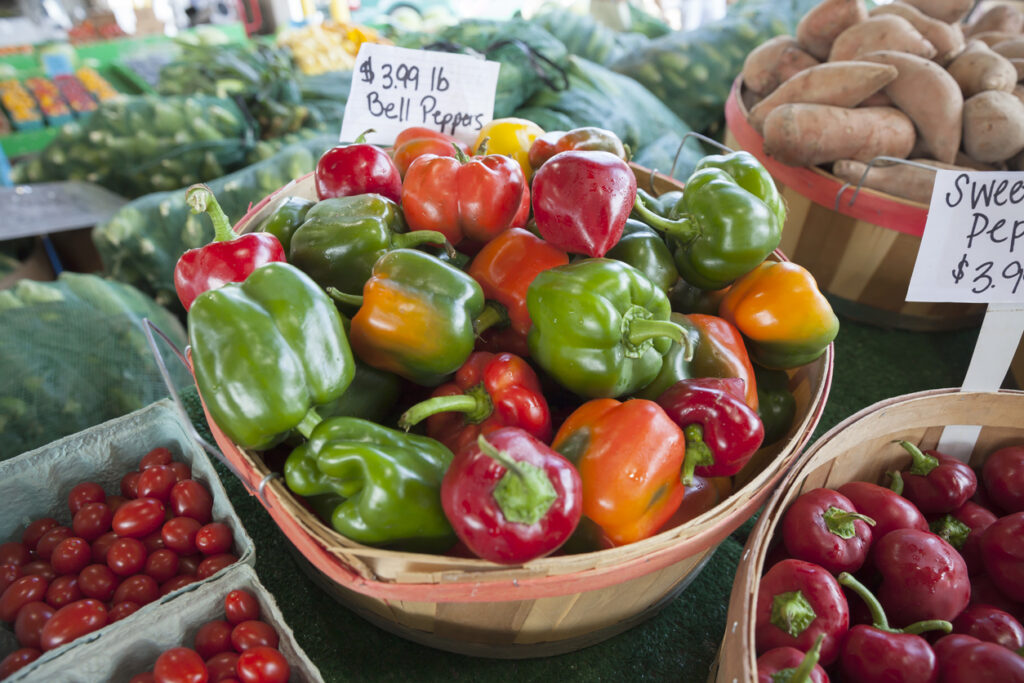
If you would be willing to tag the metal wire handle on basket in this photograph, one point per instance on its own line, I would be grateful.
(864, 175)
(148, 328)
(679, 150)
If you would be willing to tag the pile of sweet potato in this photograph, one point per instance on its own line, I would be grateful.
(913, 79)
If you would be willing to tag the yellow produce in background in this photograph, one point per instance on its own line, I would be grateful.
(328, 46)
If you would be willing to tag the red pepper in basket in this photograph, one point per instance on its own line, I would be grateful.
(822, 526)
(229, 258)
(962, 529)
(359, 168)
(992, 625)
(490, 391)
(923, 577)
(722, 431)
(790, 665)
(1002, 551)
(1003, 474)
(936, 482)
(979, 662)
(890, 510)
(511, 498)
(416, 141)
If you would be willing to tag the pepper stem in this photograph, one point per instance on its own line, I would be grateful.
(896, 482)
(202, 200)
(481, 150)
(878, 612)
(698, 453)
(525, 493)
(408, 240)
(309, 421)
(792, 612)
(840, 522)
(641, 329)
(493, 315)
(475, 403)
(362, 136)
(951, 530)
(682, 229)
(802, 673)
(461, 156)
(338, 295)
(922, 463)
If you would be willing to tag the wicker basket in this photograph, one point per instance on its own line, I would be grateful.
(862, 254)
(550, 605)
(861, 448)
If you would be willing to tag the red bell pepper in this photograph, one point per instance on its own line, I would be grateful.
(992, 625)
(985, 592)
(489, 391)
(790, 665)
(798, 601)
(722, 431)
(890, 510)
(511, 498)
(359, 168)
(581, 201)
(823, 526)
(1003, 474)
(936, 482)
(589, 138)
(699, 496)
(962, 529)
(229, 258)
(630, 456)
(980, 662)
(416, 141)
(881, 653)
(923, 577)
(463, 197)
(1002, 551)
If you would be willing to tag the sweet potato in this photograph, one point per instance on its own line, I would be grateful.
(930, 97)
(910, 182)
(882, 32)
(993, 126)
(1005, 18)
(1018, 92)
(993, 38)
(1011, 49)
(948, 39)
(949, 11)
(879, 99)
(842, 84)
(980, 68)
(1018, 64)
(812, 134)
(773, 62)
(817, 29)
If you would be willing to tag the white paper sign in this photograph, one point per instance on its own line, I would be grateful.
(972, 250)
(394, 88)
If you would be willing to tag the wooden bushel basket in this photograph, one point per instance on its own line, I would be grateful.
(861, 253)
(548, 606)
(861, 448)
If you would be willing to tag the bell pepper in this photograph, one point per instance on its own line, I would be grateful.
(630, 456)
(510, 136)
(775, 403)
(266, 352)
(463, 197)
(699, 496)
(416, 141)
(511, 498)
(1002, 551)
(489, 391)
(1003, 474)
(505, 267)
(923, 577)
(822, 526)
(372, 394)
(388, 483)
(343, 237)
(718, 351)
(962, 529)
(685, 298)
(790, 665)
(718, 231)
(229, 258)
(782, 314)
(643, 248)
(935, 482)
(418, 316)
(359, 168)
(285, 219)
(722, 432)
(752, 176)
(590, 138)
(600, 327)
(878, 652)
(890, 510)
(971, 662)
(992, 625)
(660, 204)
(581, 201)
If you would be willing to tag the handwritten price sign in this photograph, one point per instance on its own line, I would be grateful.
(972, 250)
(394, 88)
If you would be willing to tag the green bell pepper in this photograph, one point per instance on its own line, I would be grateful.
(286, 218)
(342, 237)
(776, 404)
(752, 176)
(266, 352)
(600, 327)
(372, 395)
(387, 483)
(659, 204)
(643, 248)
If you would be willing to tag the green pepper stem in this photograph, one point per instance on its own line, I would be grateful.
(408, 240)
(896, 482)
(525, 493)
(919, 627)
(802, 673)
(642, 329)
(338, 295)
(309, 421)
(878, 613)
(698, 453)
(202, 200)
(921, 462)
(792, 612)
(840, 522)
(362, 136)
(481, 150)
(475, 403)
(682, 229)
(951, 530)
(493, 315)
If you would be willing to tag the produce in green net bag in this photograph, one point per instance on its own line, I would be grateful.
(585, 36)
(73, 354)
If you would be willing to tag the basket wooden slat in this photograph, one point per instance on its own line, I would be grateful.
(861, 448)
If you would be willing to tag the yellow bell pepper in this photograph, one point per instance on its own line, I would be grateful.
(511, 137)
(784, 317)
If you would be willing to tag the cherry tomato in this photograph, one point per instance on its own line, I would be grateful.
(35, 530)
(39, 568)
(190, 498)
(189, 564)
(126, 556)
(222, 666)
(141, 588)
(15, 552)
(101, 546)
(214, 563)
(63, 591)
(72, 621)
(92, 520)
(241, 605)
(9, 573)
(139, 518)
(181, 470)
(253, 633)
(122, 609)
(23, 591)
(179, 534)
(154, 542)
(17, 660)
(115, 501)
(156, 482)
(49, 541)
(214, 538)
(213, 637)
(86, 492)
(130, 485)
(157, 456)
(71, 556)
(97, 581)
(176, 583)
(263, 665)
(162, 565)
(29, 624)
(180, 665)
